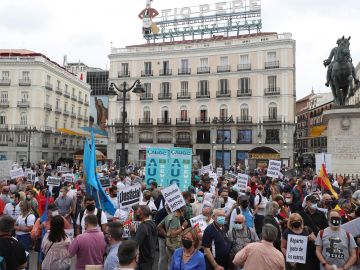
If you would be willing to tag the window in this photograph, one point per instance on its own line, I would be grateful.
(4, 97)
(125, 68)
(147, 67)
(79, 111)
(24, 96)
(244, 85)
(48, 78)
(203, 136)
(204, 87)
(244, 59)
(85, 112)
(223, 112)
(272, 136)
(183, 113)
(165, 114)
(244, 112)
(23, 119)
(244, 136)
(203, 113)
(3, 118)
(65, 123)
(204, 62)
(86, 97)
(3, 137)
(72, 108)
(57, 103)
(22, 138)
(183, 137)
(5, 75)
(166, 66)
(147, 87)
(224, 61)
(184, 65)
(26, 75)
(223, 86)
(46, 119)
(271, 56)
(66, 88)
(58, 84)
(184, 88)
(223, 137)
(272, 111)
(146, 113)
(65, 106)
(56, 123)
(165, 88)
(73, 91)
(72, 124)
(272, 83)
(47, 98)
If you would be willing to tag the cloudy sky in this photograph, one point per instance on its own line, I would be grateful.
(84, 29)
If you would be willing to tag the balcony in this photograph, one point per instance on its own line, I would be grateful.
(118, 121)
(184, 71)
(146, 140)
(183, 122)
(57, 110)
(164, 122)
(86, 102)
(73, 97)
(272, 91)
(66, 113)
(202, 120)
(183, 140)
(244, 67)
(203, 94)
(47, 129)
(182, 95)
(147, 73)
(73, 115)
(244, 93)
(24, 82)
(56, 147)
(163, 96)
(80, 100)
(222, 94)
(4, 127)
(86, 119)
(272, 119)
(21, 144)
(20, 127)
(271, 64)
(203, 70)
(5, 82)
(4, 104)
(202, 141)
(48, 86)
(23, 104)
(123, 74)
(79, 116)
(120, 97)
(45, 145)
(146, 96)
(48, 107)
(225, 68)
(58, 91)
(164, 140)
(165, 72)
(244, 120)
(67, 94)
(145, 121)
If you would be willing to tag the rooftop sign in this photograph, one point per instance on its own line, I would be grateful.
(226, 17)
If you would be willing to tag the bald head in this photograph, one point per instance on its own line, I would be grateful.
(240, 219)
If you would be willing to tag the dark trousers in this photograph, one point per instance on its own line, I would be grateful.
(258, 221)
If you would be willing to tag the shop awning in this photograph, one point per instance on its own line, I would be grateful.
(78, 132)
(317, 131)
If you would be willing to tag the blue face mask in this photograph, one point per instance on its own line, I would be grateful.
(238, 226)
(314, 206)
(221, 220)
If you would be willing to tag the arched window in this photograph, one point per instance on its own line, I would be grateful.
(183, 113)
(3, 119)
(165, 114)
(146, 113)
(244, 112)
(223, 114)
(203, 113)
(272, 111)
(23, 119)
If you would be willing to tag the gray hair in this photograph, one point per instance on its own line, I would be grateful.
(269, 233)
(271, 208)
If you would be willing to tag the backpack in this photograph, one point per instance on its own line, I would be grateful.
(98, 215)
(27, 218)
(238, 211)
(260, 198)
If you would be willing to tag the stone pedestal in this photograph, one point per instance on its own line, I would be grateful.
(343, 139)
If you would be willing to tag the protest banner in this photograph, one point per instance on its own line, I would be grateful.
(105, 181)
(273, 169)
(206, 169)
(296, 248)
(31, 177)
(200, 222)
(16, 173)
(352, 227)
(156, 166)
(53, 181)
(173, 197)
(179, 167)
(242, 181)
(62, 169)
(5, 167)
(69, 177)
(219, 171)
(129, 196)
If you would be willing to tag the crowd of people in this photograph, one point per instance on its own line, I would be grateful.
(242, 229)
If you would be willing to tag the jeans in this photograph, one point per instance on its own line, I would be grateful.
(25, 240)
(163, 259)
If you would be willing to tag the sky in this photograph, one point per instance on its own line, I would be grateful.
(85, 29)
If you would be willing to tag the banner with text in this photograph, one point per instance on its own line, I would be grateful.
(242, 181)
(180, 165)
(16, 173)
(296, 248)
(156, 166)
(129, 196)
(173, 197)
(273, 169)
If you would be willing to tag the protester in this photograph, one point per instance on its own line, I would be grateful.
(147, 200)
(90, 246)
(128, 255)
(113, 237)
(11, 250)
(271, 212)
(299, 194)
(262, 255)
(312, 216)
(284, 213)
(24, 225)
(188, 257)
(242, 207)
(199, 203)
(163, 259)
(13, 207)
(260, 202)
(64, 203)
(55, 246)
(334, 246)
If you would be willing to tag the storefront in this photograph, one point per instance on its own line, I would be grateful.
(260, 156)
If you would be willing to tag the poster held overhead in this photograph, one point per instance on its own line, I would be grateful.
(129, 195)
(173, 197)
(274, 168)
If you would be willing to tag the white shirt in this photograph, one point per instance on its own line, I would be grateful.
(82, 223)
(264, 201)
(71, 193)
(11, 210)
(150, 203)
(122, 214)
(228, 205)
(30, 221)
(120, 185)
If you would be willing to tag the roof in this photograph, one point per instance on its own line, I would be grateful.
(17, 51)
(213, 38)
(305, 98)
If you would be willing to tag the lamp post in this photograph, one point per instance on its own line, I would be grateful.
(30, 130)
(121, 91)
(223, 121)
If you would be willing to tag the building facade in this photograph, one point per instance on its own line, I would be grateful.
(38, 100)
(193, 86)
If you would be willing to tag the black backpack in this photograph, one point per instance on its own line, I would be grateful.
(98, 215)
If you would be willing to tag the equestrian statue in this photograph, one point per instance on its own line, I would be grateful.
(341, 75)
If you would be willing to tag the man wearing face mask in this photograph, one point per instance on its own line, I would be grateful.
(199, 203)
(215, 236)
(299, 194)
(335, 246)
(312, 216)
(147, 200)
(243, 208)
(13, 207)
(226, 202)
(113, 236)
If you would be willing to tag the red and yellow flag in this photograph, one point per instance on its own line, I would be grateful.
(323, 180)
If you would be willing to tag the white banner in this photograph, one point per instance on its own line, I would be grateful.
(69, 177)
(206, 169)
(129, 196)
(219, 171)
(62, 169)
(273, 169)
(352, 227)
(53, 181)
(296, 248)
(16, 173)
(322, 158)
(199, 221)
(242, 181)
(173, 197)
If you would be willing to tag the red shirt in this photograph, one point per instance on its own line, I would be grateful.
(2, 206)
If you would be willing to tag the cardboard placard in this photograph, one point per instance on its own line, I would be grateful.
(69, 177)
(173, 197)
(53, 181)
(16, 173)
(219, 171)
(242, 181)
(105, 181)
(62, 169)
(296, 248)
(129, 196)
(273, 169)
(200, 222)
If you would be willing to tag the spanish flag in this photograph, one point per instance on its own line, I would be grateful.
(323, 180)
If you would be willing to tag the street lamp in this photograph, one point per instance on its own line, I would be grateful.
(121, 90)
(223, 121)
(30, 130)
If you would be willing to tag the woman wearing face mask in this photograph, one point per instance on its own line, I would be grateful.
(55, 246)
(188, 257)
(296, 227)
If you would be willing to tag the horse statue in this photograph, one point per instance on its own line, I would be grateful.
(341, 72)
